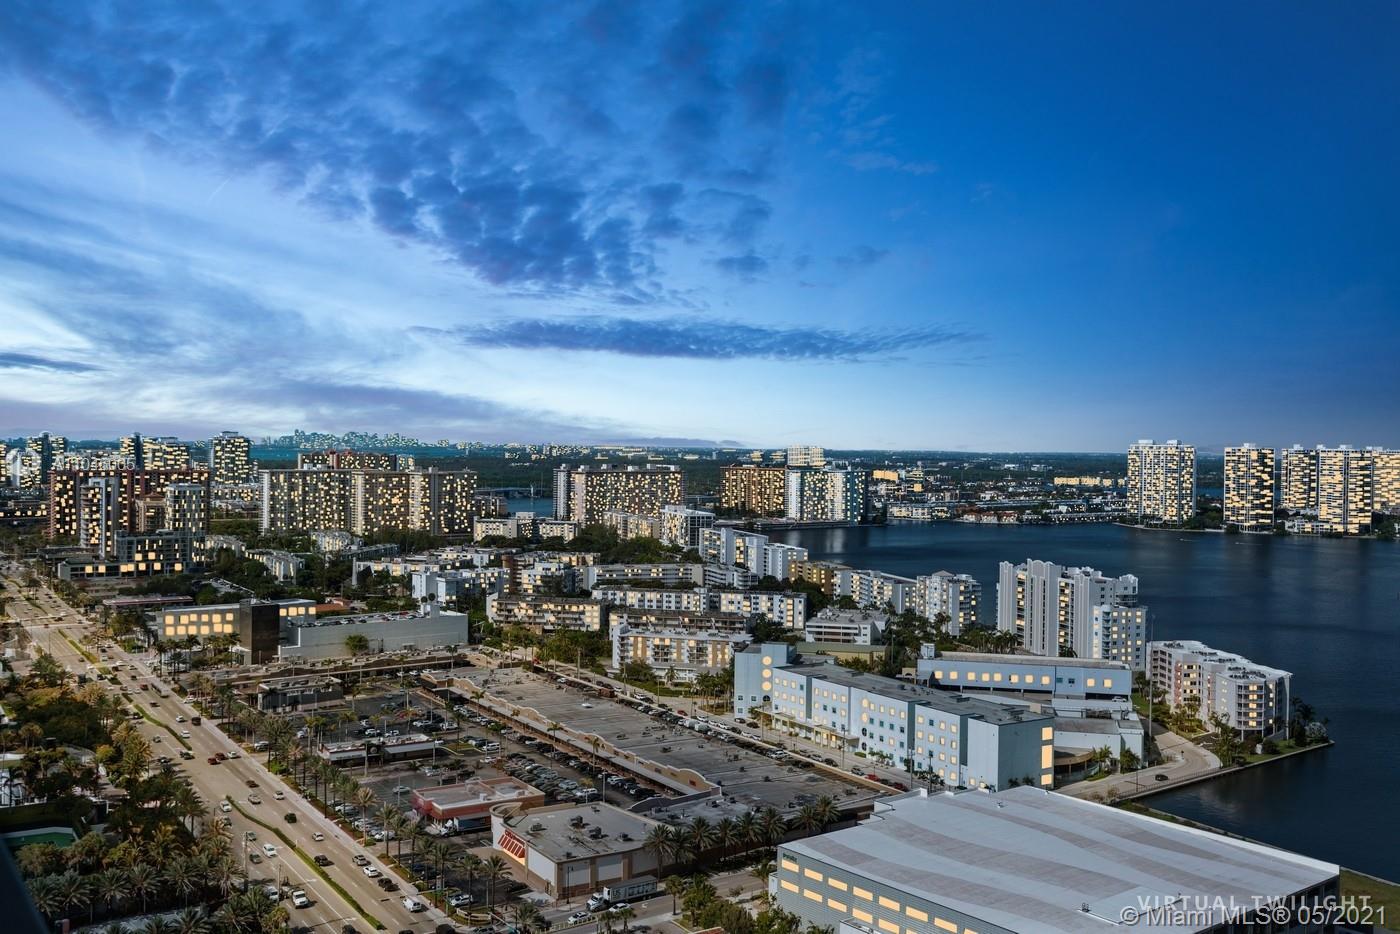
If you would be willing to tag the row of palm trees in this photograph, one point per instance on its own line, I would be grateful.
(700, 840)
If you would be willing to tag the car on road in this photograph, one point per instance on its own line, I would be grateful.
(250, 783)
(280, 796)
(387, 884)
(254, 799)
(254, 858)
(186, 755)
(269, 849)
(155, 739)
(1159, 777)
(359, 859)
(232, 754)
(184, 734)
(290, 817)
(272, 892)
(225, 806)
(321, 859)
(300, 900)
(179, 719)
(618, 908)
(372, 872)
(579, 917)
(413, 904)
(318, 836)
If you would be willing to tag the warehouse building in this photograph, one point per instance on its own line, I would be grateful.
(1025, 861)
(572, 850)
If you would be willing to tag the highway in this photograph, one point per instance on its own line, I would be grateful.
(48, 620)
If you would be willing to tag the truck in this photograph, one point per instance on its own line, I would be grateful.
(631, 890)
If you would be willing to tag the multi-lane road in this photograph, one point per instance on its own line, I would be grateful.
(51, 625)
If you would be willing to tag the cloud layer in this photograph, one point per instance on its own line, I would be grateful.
(702, 339)
(547, 149)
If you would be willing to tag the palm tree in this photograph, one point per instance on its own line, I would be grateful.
(674, 884)
(806, 820)
(527, 918)
(74, 891)
(660, 842)
(191, 921)
(364, 799)
(746, 829)
(827, 812)
(467, 863)
(157, 925)
(182, 877)
(493, 869)
(700, 837)
(387, 815)
(726, 835)
(624, 915)
(44, 892)
(143, 879)
(112, 886)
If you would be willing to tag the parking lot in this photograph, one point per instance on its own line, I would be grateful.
(747, 775)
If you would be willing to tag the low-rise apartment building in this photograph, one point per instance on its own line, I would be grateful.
(962, 740)
(675, 655)
(851, 627)
(543, 614)
(957, 595)
(1252, 698)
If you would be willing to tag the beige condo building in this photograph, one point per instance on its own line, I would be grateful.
(587, 493)
(1249, 488)
(1162, 481)
(752, 488)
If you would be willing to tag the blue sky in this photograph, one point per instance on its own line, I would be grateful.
(989, 227)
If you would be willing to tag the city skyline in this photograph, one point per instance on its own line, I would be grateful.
(883, 229)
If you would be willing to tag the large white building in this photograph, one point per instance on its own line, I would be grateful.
(1252, 698)
(849, 627)
(826, 495)
(964, 741)
(681, 526)
(958, 595)
(1162, 481)
(734, 547)
(1025, 862)
(544, 614)
(1053, 609)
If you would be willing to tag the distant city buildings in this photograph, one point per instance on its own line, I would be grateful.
(230, 459)
(1162, 481)
(92, 506)
(802, 455)
(363, 500)
(752, 489)
(46, 447)
(1331, 491)
(1055, 611)
(826, 494)
(682, 527)
(1249, 488)
(1251, 698)
(586, 493)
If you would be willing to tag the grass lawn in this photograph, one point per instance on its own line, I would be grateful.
(1384, 896)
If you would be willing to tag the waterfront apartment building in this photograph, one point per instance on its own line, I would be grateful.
(1162, 481)
(963, 740)
(682, 527)
(1054, 609)
(753, 489)
(734, 547)
(1297, 486)
(1249, 488)
(845, 627)
(957, 595)
(354, 460)
(1345, 490)
(230, 459)
(586, 493)
(1253, 699)
(362, 501)
(826, 494)
(1025, 862)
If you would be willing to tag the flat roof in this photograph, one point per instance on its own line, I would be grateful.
(1031, 660)
(558, 834)
(477, 791)
(948, 701)
(1030, 860)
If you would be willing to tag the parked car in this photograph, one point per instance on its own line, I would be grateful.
(460, 900)
(300, 900)
(579, 917)
(413, 904)
(372, 872)
(225, 806)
